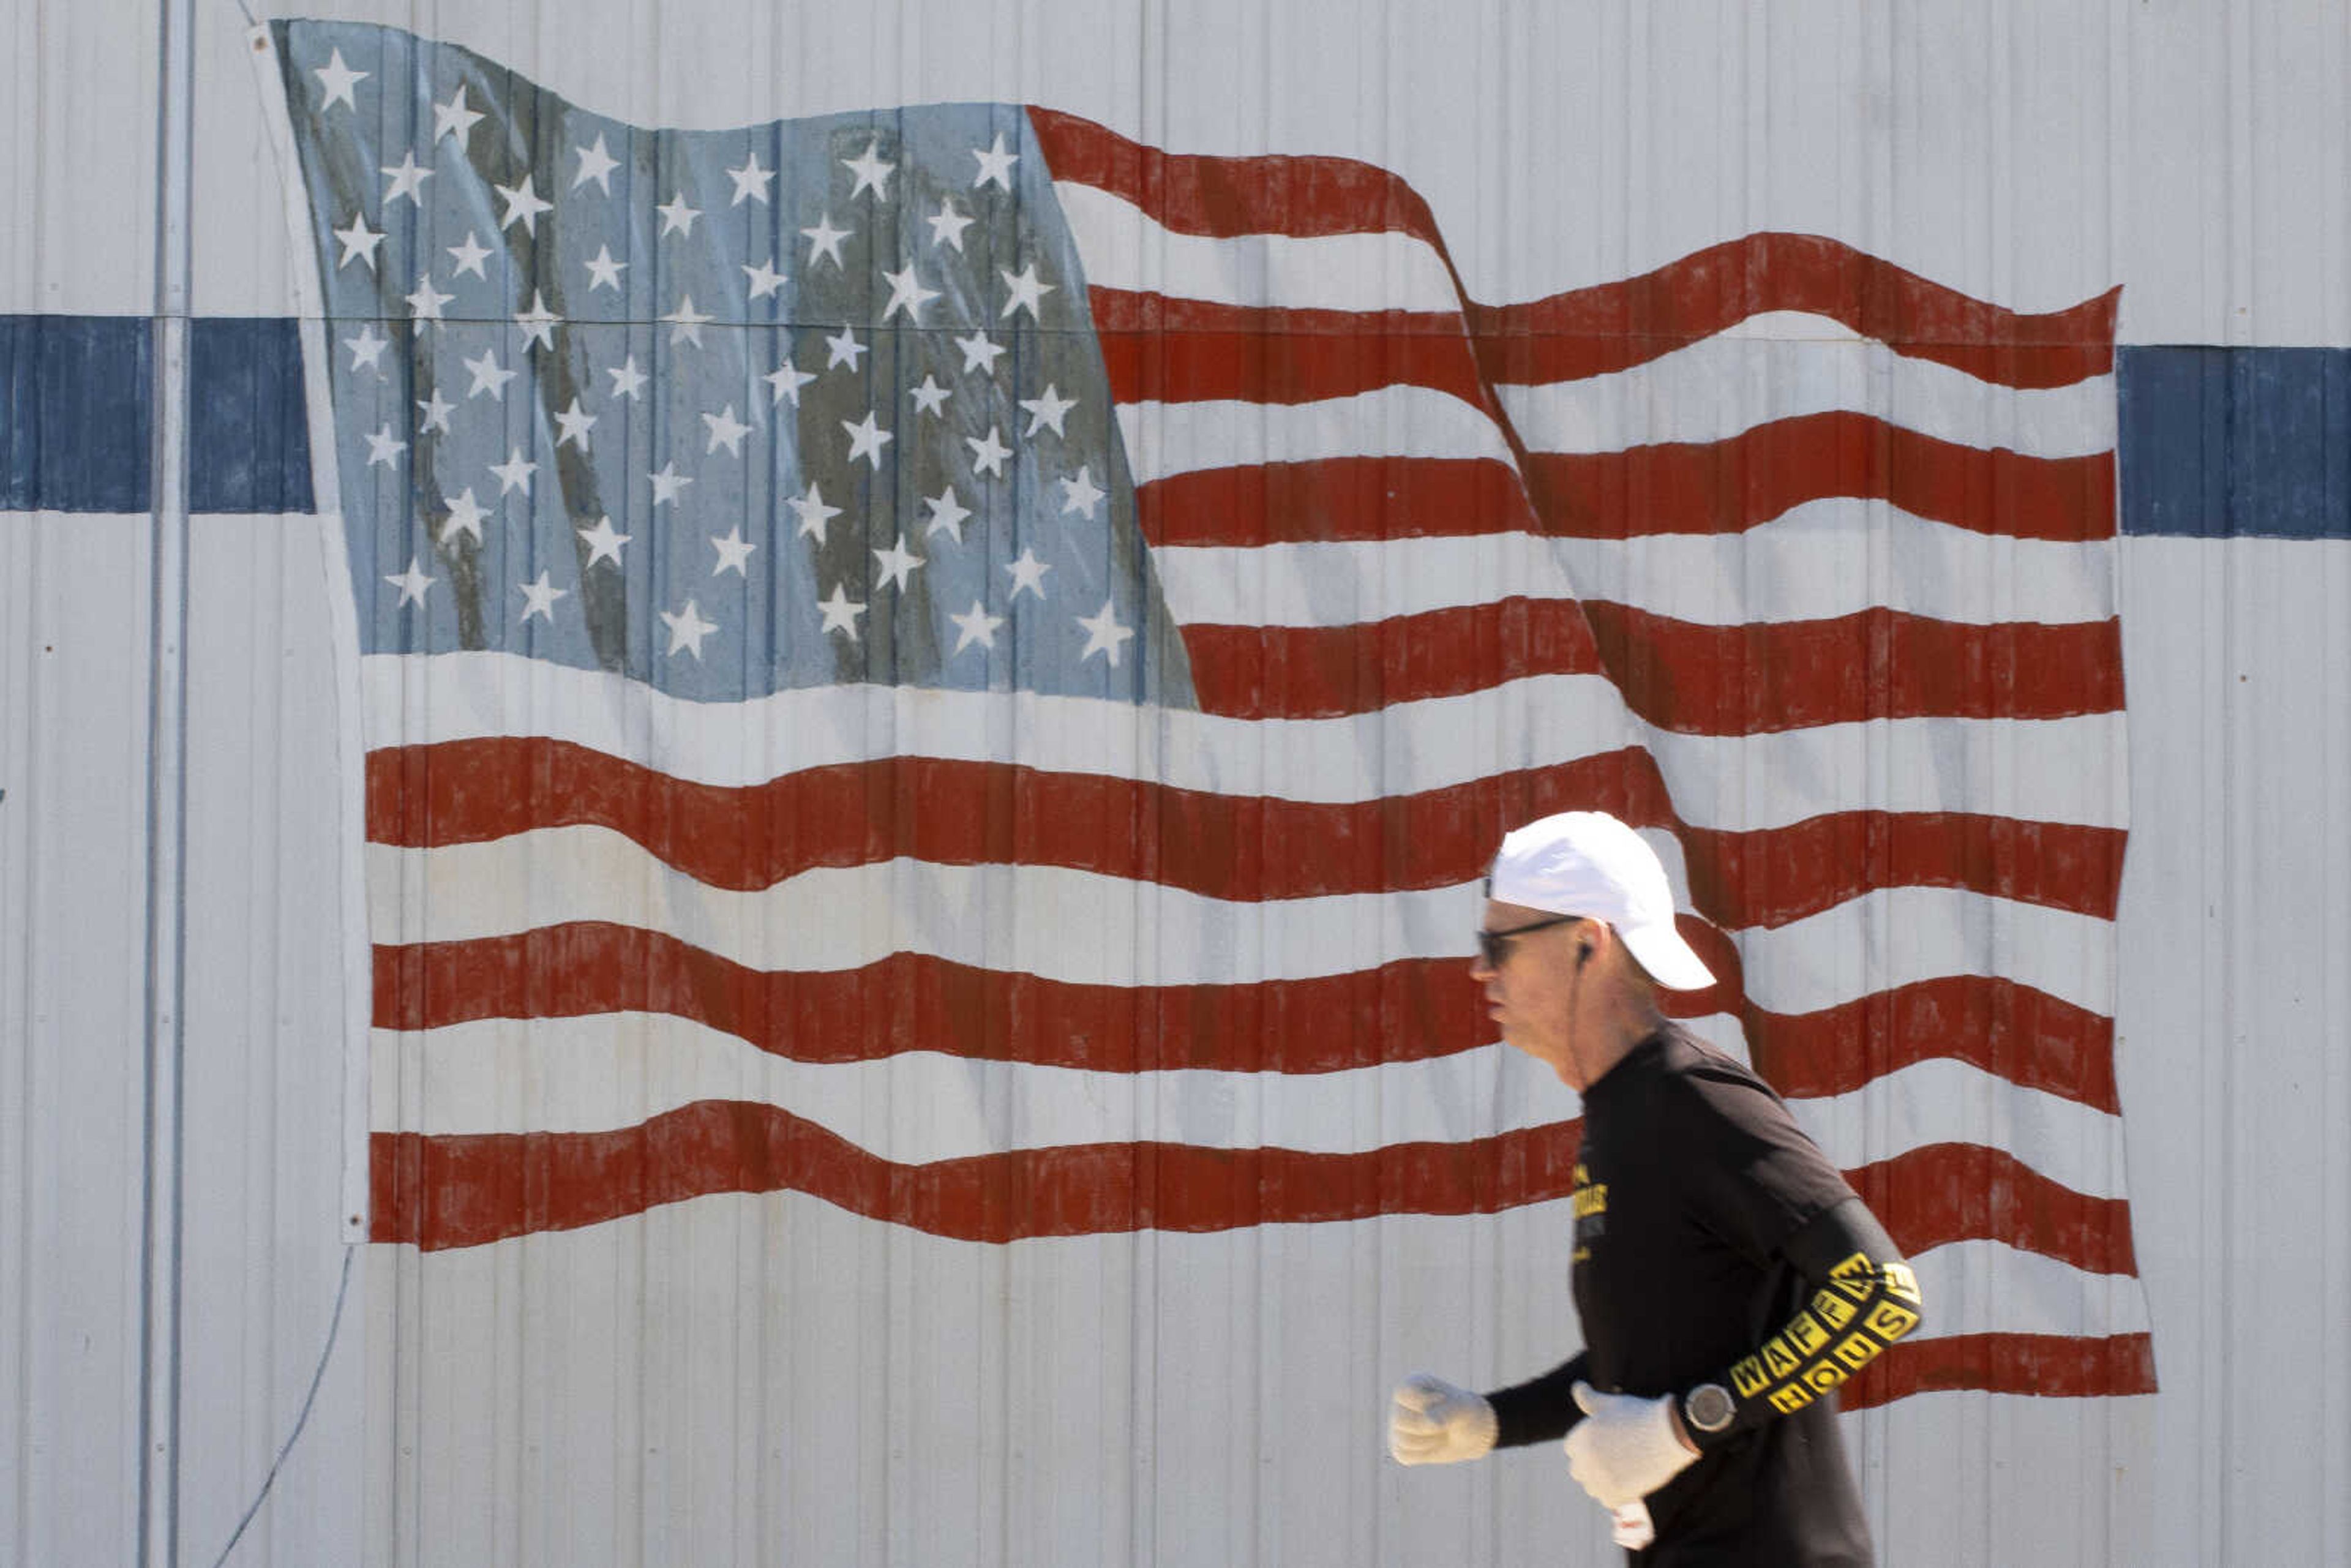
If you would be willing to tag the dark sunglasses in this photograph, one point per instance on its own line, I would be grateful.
(1495, 945)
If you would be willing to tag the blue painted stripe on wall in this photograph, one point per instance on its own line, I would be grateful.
(75, 412)
(248, 433)
(2213, 442)
(2235, 443)
(77, 402)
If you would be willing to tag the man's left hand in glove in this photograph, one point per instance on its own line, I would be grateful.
(1625, 1447)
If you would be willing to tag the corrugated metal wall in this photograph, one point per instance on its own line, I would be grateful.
(732, 1380)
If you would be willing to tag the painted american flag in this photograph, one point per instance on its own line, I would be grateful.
(954, 663)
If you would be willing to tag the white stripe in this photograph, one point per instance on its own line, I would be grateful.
(1123, 247)
(1719, 386)
(1942, 1100)
(1896, 935)
(1819, 561)
(1346, 583)
(1840, 557)
(616, 1070)
(1990, 1287)
(2057, 771)
(1166, 438)
(1143, 934)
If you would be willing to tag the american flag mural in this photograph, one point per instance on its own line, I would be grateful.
(952, 662)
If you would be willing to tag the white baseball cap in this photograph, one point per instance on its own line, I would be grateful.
(1589, 863)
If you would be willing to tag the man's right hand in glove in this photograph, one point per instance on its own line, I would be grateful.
(1434, 1423)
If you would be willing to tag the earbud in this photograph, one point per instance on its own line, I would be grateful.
(1583, 954)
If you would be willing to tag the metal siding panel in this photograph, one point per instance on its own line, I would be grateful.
(80, 101)
(73, 710)
(265, 1069)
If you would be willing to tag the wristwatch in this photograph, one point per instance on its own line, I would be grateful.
(1707, 1408)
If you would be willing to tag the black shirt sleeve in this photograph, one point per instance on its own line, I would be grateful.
(1865, 1297)
(1541, 1408)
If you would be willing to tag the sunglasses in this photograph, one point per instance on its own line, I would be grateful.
(1495, 945)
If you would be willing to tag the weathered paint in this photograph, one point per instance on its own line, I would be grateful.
(749, 1379)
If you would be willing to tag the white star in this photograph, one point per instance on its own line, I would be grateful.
(825, 240)
(840, 611)
(907, 293)
(668, 483)
(573, 424)
(947, 225)
(466, 515)
(1026, 289)
(751, 181)
(487, 377)
(844, 350)
(947, 514)
(1081, 494)
(1104, 635)
(359, 243)
(424, 305)
(538, 323)
(406, 180)
(733, 553)
(453, 118)
(764, 279)
(930, 397)
(1048, 411)
(538, 598)
(687, 628)
(383, 449)
(872, 173)
(995, 164)
(678, 218)
(987, 456)
(437, 410)
(1028, 572)
(514, 473)
(976, 625)
(979, 354)
(469, 256)
(685, 322)
(786, 380)
(597, 164)
(866, 440)
(366, 349)
(603, 542)
(411, 583)
(726, 431)
(523, 202)
(627, 379)
(603, 272)
(896, 564)
(814, 513)
(337, 79)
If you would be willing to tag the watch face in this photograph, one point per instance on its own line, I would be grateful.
(1709, 1407)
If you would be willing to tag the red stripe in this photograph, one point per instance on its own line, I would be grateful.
(953, 812)
(1159, 349)
(1591, 332)
(1335, 498)
(1404, 1011)
(462, 1190)
(1328, 671)
(1305, 195)
(1729, 485)
(1875, 664)
(2055, 1366)
(1931, 1197)
(467, 1190)
(2025, 1036)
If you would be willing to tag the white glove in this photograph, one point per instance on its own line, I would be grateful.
(1624, 1448)
(1434, 1423)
